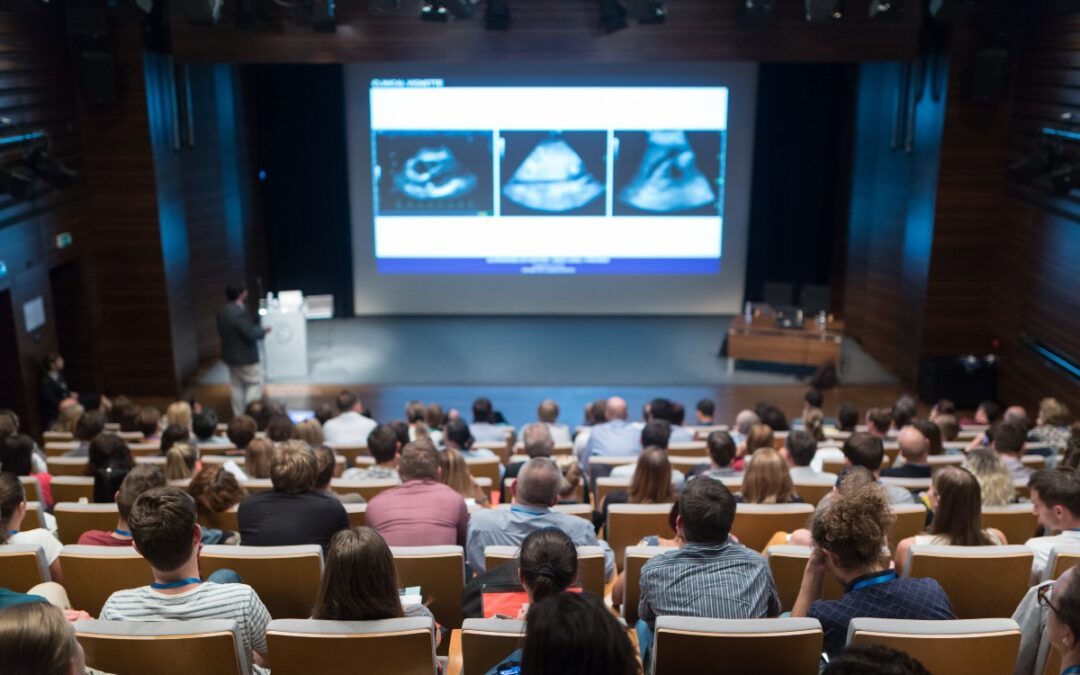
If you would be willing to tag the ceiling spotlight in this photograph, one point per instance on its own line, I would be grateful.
(654, 13)
(824, 11)
(758, 11)
(497, 15)
(612, 15)
(884, 8)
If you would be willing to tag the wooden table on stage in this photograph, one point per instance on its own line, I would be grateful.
(761, 340)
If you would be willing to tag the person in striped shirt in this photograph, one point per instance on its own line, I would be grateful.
(164, 529)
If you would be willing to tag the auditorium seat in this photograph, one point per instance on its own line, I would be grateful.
(685, 645)
(163, 647)
(811, 491)
(72, 489)
(35, 517)
(688, 464)
(1016, 521)
(31, 488)
(22, 566)
(910, 521)
(519, 451)
(67, 466)
(350, 451)
(304, 646)
(57, 437)
(148, 449)
(590, 564)
(439, 571)
(755, 524)
(57, 448)
(634, 559)
(93, 573)
(1061, 558)
(215, 449)
(697, 449)
(938, 461)
(580, 510)
(367, 489)
(72, 519)
(484, 467)
(254, 485)
(787, 564)
(486, 642)
(627, 524)
(286, 578)
(982, 582)
(1022, 488)
(957, 647)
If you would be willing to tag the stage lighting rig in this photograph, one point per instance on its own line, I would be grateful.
(880, 9)
(758, 12)
(654, 13)
(612, 16)
(497, 15)
(443, 10)
(824, 11)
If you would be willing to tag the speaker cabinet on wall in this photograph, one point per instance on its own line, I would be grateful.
(100, 79)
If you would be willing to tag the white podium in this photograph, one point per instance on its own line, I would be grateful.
(286, 345)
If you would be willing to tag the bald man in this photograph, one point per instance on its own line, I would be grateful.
(915, 449)
(614, 438)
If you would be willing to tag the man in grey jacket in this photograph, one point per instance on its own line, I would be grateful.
(240, 334)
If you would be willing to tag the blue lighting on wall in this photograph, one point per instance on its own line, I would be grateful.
(1056, 358)
(21, 138)
(1061, 133)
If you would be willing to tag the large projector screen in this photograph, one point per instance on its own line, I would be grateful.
(528, 190)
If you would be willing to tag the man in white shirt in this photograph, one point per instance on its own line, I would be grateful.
(483, 428)
(350, 427)
(1055, 499)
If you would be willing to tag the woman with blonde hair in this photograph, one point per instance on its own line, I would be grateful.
(181, 461)
(68, 417)
(178, 413)
(257, 458)
(995, 481)
(814, 423)
(767, 480)
(455, 474)
(310, 432)
(1052, 424)
(37, 639)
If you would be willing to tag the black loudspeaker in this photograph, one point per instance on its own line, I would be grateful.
(100, 79)
(990, 76)
(965, 380)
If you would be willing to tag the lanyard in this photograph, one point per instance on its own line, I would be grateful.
(1071, 670)
(122, 533)
(175, 584)
(12, 533)
(880, 578)
(521, 509)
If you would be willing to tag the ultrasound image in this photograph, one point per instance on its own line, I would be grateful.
(667, 172)
(554, 173)
(434, 173)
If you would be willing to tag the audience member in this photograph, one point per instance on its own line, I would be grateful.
(454, 473)
(327, 460)
(89, 425)
(866, 450)
(174, 433)
(722, 451)
(384, 447)
(310, 432)
(140, 479)
(1071, 458)
(814, 423)
(458, 436)
(760, 436)
(280, 428)
(655, 434)
(744, 421)
(664, 409)
(181, 461)
(215, 490)
(850, 538)
(798, 451)
(956, 506)
(108, 461)
(903, 412)
(149, 422)
(987, 413)
(915, 449)
(360, 581)
(847, 417)
(1052, 424)
(126, 414)
(575, 634)
(572, 490)
(12, 514)
(548, 414)
(943, 407)
(324, 412)
(932, 434)
(421, 511)
(204, 425)
(291, 513)
(163, 525)
(877, 659)
(241, 431)
(257, 458)
(19, 455)
(774, 418)
(537, 441)
(813, 398)
(949, 426)
(484, 429)
(651, 484)
(37, 639)
(1063, 620)
(350, 427)
(704, 412)
(878, 422)
(179, 414)
(995, 481)
(614, 438)
(1007, 439)
(1055, 499)
(595, 413)
(533, 494)
(767, 480)
(1017, 414)
(70, 414)
(259, 411)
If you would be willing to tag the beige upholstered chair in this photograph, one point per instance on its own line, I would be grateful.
(439, 571)
(72, 519)
(982, 582)
(163, 647)
(983, 646)
(93, 573)
(486, 642)
(755, 524)
(286, 578)
(761, 646)
(399, 646)
(627, 524)
(22, 566)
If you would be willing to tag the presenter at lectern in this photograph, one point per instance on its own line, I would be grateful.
(240, 335)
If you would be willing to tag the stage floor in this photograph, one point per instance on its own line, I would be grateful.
(518, 361)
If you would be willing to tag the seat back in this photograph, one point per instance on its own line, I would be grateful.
(787, 564)
(755, 524)
(609, 484)
(812, 491)
(72, 519)
(590, 564)
(216, 449)
(627, 524)
(984, 646)
(226, 520)
(35, 517)
(67, 466)
(22, 566)
(93, 573)
(31, 488)
(57, 448)
(305, 646)
(697, 449)
(1016, 521)
(357, 514)
(484, 467)
(366, 489)
(286, 578)
(149, 449)
(982, 582)
(910, 521)
(55, 436)
(1061, 558)
(486, 642)
(633, 560)
(774, 646)
(163, 647)
(72, 489)
(350, 452)
(439, 571)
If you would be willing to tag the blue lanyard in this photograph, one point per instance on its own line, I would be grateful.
(1071, 670)
(521, 509)
(12, 533)
(175, 584)
(122, 533)
(880, 578)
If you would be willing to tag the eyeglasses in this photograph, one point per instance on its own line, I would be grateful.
(1044, 597)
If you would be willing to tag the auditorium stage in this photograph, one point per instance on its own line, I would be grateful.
(519, 360)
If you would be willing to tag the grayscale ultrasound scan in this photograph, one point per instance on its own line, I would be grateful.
(434, 173)
(554, 173)
(667, 172)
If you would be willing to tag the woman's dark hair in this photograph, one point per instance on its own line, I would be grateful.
(457, 432)
(359, 581)
(280, 428)
(932, 432)
(548, 563)
(860, 659)
(651, 483)
(11, 495)
(174, 433)
(89, 425)
(215, 490)
(109, 461)
(16, 452)
(959, 508)
(575, 634)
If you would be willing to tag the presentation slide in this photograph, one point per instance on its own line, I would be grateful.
(547, 180)
(549, 189)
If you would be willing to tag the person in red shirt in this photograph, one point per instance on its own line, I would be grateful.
(140, 479)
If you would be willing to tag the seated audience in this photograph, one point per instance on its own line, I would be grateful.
(310, 432)
(767, 480)
(454, 473)
(932, 433)
(704, 412)
(915, 450)
(1052, 424)
(614, 438)
(258, 410)
(179, 414)
(665, 410)
(877, 659)
(575, 634)
(948, 426)
(957, 506)
(538, 442)
(772, 417)
(174, 433)
(350, 427)
(18, 456)
(995, 481)
(215, 491)
(722, 451)
(458, 436)
(867, 451)
(1055, 499)
(594, 414)
(655, 434)
(878, 422)
(814, 424)
(384, 447)
(257, 458)
(421, 511)
(943, 406)
(1063, 620)
(744, 421)
(651, 484)
(1007, 439)
(572, 490)
(327, 464)
(293, 512)
(241, 431)
(163, 525)
(359, 582)
(89, 425)
(12, 514)
(181, 461)
(798, 451)
(760, 436)
(1017, 414)
(986, 414)
(903, 412)
(484, 429)
(37, 639)
(108, 461)
(548, 415)
(140, 479)
(149, 423)
(204, 425)
(280, 428)
(533, 494)
(847, 417)
(850, 539)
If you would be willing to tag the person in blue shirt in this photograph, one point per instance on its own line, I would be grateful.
(614, 438)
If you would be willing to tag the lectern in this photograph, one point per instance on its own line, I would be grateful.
(286, 345)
